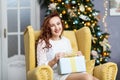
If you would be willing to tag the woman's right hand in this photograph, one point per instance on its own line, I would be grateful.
(58, 56)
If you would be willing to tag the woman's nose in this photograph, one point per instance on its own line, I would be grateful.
(56, 26)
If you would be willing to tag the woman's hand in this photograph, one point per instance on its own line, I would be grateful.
(58, 56)
(79, 53)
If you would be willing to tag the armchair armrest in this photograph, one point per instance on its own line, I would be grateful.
(40, 73)
(107, 71)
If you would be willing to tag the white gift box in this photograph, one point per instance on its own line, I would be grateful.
(71, 64)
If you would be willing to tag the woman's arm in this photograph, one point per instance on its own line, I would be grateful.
(41, 54)
(42, 57)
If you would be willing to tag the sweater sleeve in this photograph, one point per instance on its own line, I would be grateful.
(41, 54)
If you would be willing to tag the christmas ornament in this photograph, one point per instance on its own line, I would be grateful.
(94, 39)
(66, 26)
(101, 59)
(63, 12)
(95, 13)
(58, 7)
(63, 3)
(87, 0)
(52, 0)
(105, 60)
(82, 8)
(71, 13)
(84, 17)
(59, 1)
(52, 6)
(60, 15)
(94, 54)
(73, 2)
(66, 1)
(89, 9)
(104, 54)
(99, 34)
(87, 24)
(97, 62)
(105, 44)
(75, 22)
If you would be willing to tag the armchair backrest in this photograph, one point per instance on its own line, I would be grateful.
(80, 40)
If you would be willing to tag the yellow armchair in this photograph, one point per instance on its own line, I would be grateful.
(80, 40)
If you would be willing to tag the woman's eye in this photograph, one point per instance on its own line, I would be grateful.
(58, 23)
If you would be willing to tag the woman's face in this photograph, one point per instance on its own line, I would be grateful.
(55, 26)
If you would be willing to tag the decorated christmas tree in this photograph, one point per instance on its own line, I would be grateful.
(81, 13)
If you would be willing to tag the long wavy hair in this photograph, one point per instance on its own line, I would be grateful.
(45, 33)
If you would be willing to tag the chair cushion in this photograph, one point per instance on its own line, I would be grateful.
(71, 36)
(90, 66)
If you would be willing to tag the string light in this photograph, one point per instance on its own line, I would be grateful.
(105, 15)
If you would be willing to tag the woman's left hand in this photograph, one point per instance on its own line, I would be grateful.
(79, 53)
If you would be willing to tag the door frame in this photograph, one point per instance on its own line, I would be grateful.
(3, 40)
(0, 44)
(35, 22)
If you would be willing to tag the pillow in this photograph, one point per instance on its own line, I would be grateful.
(90, 66)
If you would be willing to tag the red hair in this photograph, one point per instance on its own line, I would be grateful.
(46, 31)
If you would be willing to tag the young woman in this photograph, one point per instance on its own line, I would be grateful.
(52, 46)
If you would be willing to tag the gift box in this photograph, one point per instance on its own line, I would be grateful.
(71, 64)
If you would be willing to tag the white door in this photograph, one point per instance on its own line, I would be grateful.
(16, 15)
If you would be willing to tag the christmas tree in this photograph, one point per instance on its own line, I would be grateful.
(81, 13)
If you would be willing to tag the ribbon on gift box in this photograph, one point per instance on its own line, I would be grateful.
(71, 64)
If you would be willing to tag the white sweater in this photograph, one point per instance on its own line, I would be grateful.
(44, 55)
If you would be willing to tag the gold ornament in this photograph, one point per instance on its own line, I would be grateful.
(85, 12)
(100, 59)
(66, 26)
(59, 0)
(88, 8)
(63, 12)
(104, 54)
(52, 0)
(87, 24)
(87, 0)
